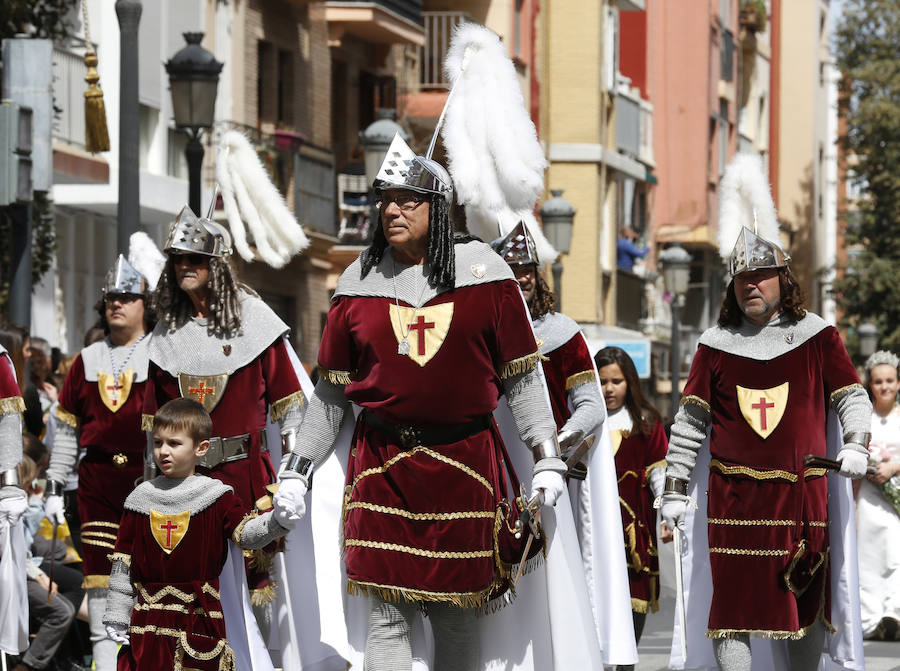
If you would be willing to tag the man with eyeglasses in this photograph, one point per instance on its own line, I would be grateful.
(100, 409)
(426, 329)
(218, 343)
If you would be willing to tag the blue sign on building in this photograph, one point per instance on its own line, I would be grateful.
(639, 351)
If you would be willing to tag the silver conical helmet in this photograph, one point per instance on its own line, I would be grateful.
(189, 234)
(402, 169)
(517, 247)
(123, 278)
(753, 252)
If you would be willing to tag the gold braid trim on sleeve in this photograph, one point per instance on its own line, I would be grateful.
(336, 376)
(13, 405)
(263, 595)
(147, 422)
(579, 379)
(656, 464)
(239, 529)
(524, 364)
(282, 405)
(838, 394)
(95, 582)
(120, 556)
(64, 416)
(696, 400)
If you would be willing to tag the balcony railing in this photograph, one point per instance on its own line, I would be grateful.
(634, 125)
(408, 9)
(439, 28)
(68, 94)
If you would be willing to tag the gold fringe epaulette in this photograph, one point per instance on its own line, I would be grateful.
(260, 559)
(524, 364)
(95, 582)
(336, 376)
(12, 405)
(579, 379)
(397, 594)
(264, 595)
(282, 405)
(66, 417)
(147, 422)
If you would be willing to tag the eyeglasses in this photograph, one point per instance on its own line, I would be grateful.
(405, 201)
(190, 259)
(121, 298)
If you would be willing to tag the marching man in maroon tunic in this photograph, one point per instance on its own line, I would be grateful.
(100, 410)
(164, 601)
(217, 343)
(425, 331)
(761, 383)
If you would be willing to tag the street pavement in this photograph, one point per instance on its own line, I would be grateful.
(653, 651)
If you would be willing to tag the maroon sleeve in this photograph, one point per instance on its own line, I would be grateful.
(576, 360)
(128, 531)
(838, 371)
(8, 386)
(337, 353)
(233, 513)
(658, 445)
(699, 382)
(278, 372)
(514, 335)
(70, 396)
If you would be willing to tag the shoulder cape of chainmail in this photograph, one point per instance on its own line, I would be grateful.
(764, 343)
(553, 330)
(191, 350)
(96, 357)
(171, 496)
(476, 263)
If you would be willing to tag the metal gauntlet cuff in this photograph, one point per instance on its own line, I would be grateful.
(288, 440)
(10, 478)
(53, 488)
(301, 466)
(546, 449)
(675, 485)
(858, 437)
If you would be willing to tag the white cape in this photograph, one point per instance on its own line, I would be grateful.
(13, 589)
(843, 649)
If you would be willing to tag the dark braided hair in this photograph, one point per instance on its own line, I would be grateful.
(439, 250)
(174, 307)
(543, 301)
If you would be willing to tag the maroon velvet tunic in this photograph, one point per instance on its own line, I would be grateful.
(243, 408)
(114, 456)
(419, 523)
(178, 612)
(564, 368)
(768, 514)
(636, 455)
(8, 387)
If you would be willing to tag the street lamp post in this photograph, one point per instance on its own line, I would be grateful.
(676, 264)
(868, 339)
(557, 217)
(193, 78)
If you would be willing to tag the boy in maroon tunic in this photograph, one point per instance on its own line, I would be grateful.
(171, 549)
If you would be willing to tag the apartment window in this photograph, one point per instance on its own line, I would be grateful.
(265, 87)
(517, 29)
(727, 56)
(285, 104)
(723, 132)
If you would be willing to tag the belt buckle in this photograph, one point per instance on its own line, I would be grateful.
(408, 437)
(119, 459)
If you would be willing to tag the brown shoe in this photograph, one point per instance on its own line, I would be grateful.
(890, 627)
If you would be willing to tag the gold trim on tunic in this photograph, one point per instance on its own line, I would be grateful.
(110, 525)
(579, 379)
(754, 523)
(100, 544)
(461, 515)
(656, 464)
(281, 406)
(435, 455)
(95, 582)
(524, 364)
(98, 534)
(263, 595)
(756, 474)
(13, 405)
(796, 558)
(406, 595)
(147, 422)
(838, 394)
(62, 415)
(419, 552)
(749, 552)
(239, 529)
(336, 376)
(695, 400)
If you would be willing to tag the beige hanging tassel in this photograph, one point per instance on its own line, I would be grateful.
(96, 135)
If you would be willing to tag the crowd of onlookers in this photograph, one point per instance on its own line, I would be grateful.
(59, 635)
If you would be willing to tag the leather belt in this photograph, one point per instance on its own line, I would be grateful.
(409, 437)
(233, 448)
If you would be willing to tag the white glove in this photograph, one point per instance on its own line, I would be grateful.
(552, 485)
(291, 500)
(283, 511)
(118, 633)
(853, 463)
(13, 507)
(55, 509)
(673, 511)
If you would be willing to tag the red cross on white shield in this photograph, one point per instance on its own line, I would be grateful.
(763, 408)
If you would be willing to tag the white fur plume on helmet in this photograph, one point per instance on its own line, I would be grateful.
(249, 196)
(743, 190)
(146, 258)
(494, 157)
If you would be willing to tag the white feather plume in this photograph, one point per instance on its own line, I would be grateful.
(743, 189)
(249, 196)
(146, 258)
(491, 225)
(494, 156)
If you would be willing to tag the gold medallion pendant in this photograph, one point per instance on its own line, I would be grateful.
(114, 392)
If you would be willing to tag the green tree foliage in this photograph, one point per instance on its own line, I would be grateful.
(37, 18)
(868, 54)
